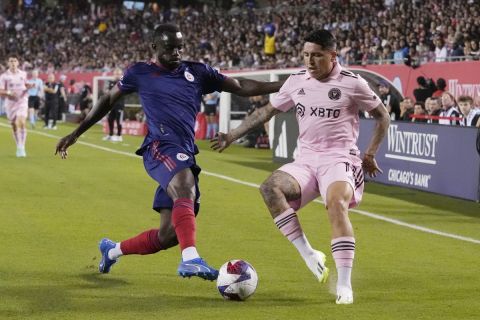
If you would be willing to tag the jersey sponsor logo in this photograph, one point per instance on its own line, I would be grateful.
(324, 112)
(300, 108)
(188, 76)
(182, 156)
(301, 92)
(334, 94)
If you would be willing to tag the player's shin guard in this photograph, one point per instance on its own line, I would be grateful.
(23, 137)
(183, 220)
(343, 251)
(16, 137)
(288, 224)
(145, 243)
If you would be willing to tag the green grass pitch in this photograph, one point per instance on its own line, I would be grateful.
(54, 212)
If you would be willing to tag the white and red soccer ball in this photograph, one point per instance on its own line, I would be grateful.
(237, 280)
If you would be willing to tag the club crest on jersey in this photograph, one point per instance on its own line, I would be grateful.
(334, 94)
(300, 108)
(188, 76)
(182, 156)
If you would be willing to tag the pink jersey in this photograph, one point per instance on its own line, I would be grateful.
(326, 110)
(15, 82)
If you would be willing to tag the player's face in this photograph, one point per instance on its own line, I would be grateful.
(13, 63)
(318, 61)
(465, 107)
(168, 48)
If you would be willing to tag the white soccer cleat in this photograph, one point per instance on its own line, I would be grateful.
(107, 138)
(316, 264)
(344, 296)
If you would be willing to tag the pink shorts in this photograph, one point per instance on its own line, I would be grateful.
(17, 109)
(314, 177)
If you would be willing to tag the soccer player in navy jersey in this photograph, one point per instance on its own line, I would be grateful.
(170, 93)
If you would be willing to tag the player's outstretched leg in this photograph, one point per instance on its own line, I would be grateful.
(288, 224)
(147, 242)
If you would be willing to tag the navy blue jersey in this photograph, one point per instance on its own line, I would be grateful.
(171, 99)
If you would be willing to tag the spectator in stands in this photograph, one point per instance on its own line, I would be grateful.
(435, 109)
(406, 109)
(450, 109)
(398, 55)
(474, 50)
(471, 115)
(423, 91)
(441, 85)
(72, 38)
(419, 112)
(389, 100)
(476, 102)
(440, 50)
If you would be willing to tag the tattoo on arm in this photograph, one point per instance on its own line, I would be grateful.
(258, 117)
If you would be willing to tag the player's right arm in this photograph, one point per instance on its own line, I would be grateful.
(101, 108)
(252, 121)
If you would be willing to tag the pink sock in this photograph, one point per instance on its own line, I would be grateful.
(16, 137)
(288, 224)
(343, 251)
(23, 137)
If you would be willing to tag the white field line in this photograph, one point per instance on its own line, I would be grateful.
(250, 184)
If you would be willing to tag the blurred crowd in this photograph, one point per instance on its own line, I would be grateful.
(78, 36)
(431, 103)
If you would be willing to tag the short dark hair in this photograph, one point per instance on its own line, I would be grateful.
(323, 38)
(465, 99)
(441, 83)
(13, 55)
(422, 81)
(163, 28)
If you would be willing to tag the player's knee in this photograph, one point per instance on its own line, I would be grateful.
(268, 189)
(167, 238)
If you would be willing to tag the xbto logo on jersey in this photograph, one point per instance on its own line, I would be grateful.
(334, 94)
(300, 108)
(324, 112)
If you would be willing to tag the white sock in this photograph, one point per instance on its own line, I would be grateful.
(190, 253)
(116, 252)
(344, 278)
(303, 246)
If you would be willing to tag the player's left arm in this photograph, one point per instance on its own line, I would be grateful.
(382, 119)
(247, 87)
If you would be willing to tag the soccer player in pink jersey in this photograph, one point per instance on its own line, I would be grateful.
(14, 88)
(327, 100)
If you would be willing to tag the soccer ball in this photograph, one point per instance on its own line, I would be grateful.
(237, 280)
